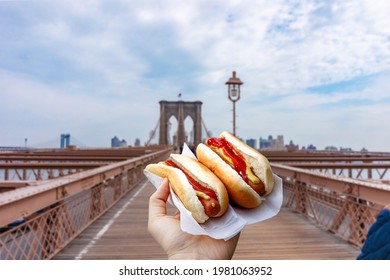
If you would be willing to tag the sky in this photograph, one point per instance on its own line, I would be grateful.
(315, 71)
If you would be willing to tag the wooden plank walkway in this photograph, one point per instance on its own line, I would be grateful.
(122, 234)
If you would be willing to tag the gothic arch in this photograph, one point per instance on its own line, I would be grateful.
(180, 110)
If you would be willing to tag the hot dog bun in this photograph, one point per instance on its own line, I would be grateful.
(239, 190)
(185, 191)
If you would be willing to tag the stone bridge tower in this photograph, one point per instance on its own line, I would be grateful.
(180, 110)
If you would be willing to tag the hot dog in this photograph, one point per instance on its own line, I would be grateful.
(199, 189)
(246, 173)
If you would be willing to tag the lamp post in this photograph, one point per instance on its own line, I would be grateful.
(234, 85)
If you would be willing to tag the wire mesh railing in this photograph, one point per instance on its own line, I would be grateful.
(44, 233)
(344, 206)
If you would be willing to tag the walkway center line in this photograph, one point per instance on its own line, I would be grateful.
(108, 224)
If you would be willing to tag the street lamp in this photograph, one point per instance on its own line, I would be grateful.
(234, 84)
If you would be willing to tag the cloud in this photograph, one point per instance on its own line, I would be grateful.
(111, 62)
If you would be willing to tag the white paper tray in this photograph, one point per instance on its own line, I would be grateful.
(235, 218)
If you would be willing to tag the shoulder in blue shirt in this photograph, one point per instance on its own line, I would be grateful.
(377, 244)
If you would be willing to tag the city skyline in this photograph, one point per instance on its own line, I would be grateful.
(314, 71)
(278, 143)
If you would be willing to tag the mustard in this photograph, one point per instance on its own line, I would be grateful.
(227, 159)
(202, 195)
(251, 176)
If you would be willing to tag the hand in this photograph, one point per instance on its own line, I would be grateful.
(178, 244)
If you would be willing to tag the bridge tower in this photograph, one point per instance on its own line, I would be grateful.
(180, 110)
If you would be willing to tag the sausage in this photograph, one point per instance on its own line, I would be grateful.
(226, 151)
(206, 196)
(258, 188)
(245, 172)
(211, 205)
(200, 190)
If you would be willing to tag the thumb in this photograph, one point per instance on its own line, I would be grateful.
(157, 201)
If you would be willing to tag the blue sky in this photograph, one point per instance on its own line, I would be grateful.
(316, 72)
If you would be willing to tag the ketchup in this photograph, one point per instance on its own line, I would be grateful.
(238, 161)
(235, 160)
(194, 184)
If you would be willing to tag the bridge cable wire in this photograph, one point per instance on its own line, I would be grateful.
(153, 133)
(205, 128)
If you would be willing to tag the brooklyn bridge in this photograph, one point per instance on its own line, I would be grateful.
(92, 203)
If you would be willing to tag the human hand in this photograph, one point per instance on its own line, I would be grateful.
(177, 244)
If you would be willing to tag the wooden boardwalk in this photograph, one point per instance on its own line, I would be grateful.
(122, 234)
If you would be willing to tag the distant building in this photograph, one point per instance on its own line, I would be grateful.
(311, 147)
(331, 148)
(137, 142)
(123, 143)
(292, 147)
(252, 143)
(115, 142)
(65, 140)
(271, 143)
(264, 143)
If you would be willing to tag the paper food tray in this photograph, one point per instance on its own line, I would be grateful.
(235, 218)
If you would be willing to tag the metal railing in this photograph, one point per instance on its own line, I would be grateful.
(344, 206)
(53, 212)
(37, 221)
